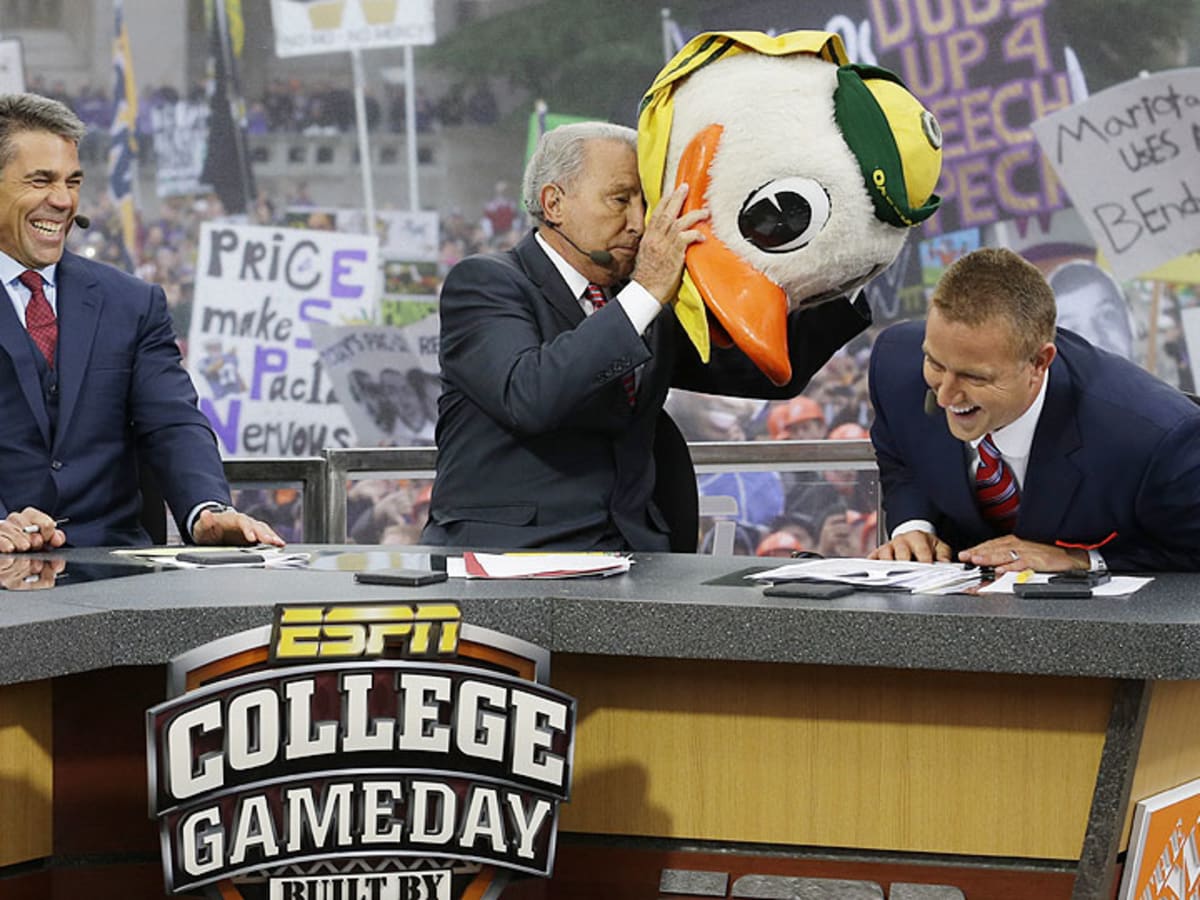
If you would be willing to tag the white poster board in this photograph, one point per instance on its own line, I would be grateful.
(1129, 158)
(304, 27)
(12, 67)
(250, 352)
(386, 378)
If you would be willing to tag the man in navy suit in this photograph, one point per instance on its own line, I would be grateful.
(1104, 457)
(551, 398)
(91, 385)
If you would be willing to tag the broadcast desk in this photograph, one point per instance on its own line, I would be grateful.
(989, 743)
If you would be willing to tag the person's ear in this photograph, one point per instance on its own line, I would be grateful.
(1044, 356)
(551, 196)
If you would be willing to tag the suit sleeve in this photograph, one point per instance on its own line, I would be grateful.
(172, 435)
(814, 335)
(903, 498)
(1167, 508)
(495, 351)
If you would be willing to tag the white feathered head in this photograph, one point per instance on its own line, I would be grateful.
(812, 169)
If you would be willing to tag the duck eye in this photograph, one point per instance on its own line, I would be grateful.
(784, 214)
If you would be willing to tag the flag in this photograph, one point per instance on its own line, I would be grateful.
(226, 159)
(122, 148)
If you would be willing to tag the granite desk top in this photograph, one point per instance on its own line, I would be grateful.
(666, 606)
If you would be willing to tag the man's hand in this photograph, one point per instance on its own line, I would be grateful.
(659, 266)
(16, 535)
(19, 573)
(1011, 554)
(913, 546)
(231, 527)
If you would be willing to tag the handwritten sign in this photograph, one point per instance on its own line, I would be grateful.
(986, 69)
(258, 291)
(1130, 160)
(387, 379)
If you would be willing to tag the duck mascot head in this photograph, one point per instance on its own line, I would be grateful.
(813, 170)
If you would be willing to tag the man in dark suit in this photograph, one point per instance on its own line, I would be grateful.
(556, 361)
(1035, 449)
(91, 385)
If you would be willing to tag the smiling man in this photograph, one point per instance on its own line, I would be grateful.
(91, 385)
(556, 361)
(1004, 442)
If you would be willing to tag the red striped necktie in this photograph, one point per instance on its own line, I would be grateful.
(39, 317)
(595, 295)
(996, 488)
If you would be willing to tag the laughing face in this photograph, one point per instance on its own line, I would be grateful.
(39, 193)
(980, 381)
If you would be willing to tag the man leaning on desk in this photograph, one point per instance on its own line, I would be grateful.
(91, 384)
(1012, 444)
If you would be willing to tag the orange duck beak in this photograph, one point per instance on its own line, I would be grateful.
(750, 309)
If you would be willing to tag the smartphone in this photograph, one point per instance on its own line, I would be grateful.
(1091, 579)
(1061, 590)
(808, 590)
(221, 558)
(401, 577)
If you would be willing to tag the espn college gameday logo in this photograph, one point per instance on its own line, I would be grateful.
(359, 752)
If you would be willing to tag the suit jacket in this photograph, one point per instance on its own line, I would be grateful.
(123, 400)
(1116, 452)
(537, 443)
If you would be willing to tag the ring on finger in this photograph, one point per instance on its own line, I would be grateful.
(1015, 555)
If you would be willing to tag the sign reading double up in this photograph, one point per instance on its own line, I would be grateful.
(384, 751)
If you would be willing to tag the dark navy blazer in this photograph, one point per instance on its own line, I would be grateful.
(537, 443)
(1116, 451)
(123, 400)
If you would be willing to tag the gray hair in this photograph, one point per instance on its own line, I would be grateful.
(559, 158)
(32, 112)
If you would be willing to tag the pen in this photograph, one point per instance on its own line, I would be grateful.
(34, 529)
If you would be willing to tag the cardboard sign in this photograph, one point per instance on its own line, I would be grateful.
(1163, 862)
(1130, 160)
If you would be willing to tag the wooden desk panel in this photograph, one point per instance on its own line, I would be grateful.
(26, 772)
(932, 762)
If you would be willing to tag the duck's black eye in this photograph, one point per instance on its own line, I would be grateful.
(784, 214)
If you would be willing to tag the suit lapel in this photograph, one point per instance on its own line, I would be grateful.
(1052, 478)
(14, 339)
(79, 304)
(947, 459)
(542, 272)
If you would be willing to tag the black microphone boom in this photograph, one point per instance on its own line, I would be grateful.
(83, 221)
(599, 257)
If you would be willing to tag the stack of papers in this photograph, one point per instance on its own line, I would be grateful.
(878, 575)
(536, 565)
(223, 557)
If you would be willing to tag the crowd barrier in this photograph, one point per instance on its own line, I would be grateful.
(323, 480)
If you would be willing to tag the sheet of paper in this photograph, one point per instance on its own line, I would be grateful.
(1117, 586)
(536, 565)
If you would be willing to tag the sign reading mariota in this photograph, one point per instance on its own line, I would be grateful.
(382, 752)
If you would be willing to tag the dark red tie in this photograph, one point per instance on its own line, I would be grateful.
(996, 488)
(39, 317)
(596, 295)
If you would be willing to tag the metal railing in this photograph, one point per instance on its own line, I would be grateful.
(323, 480)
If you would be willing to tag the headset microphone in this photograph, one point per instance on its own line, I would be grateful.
(599, 257)
(83, 221)
(931, 404)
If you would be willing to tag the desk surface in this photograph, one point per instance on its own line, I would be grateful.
(662, 608)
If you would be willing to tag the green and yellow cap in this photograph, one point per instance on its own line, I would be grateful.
(897, 142)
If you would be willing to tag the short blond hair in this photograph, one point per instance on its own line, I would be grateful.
(995, 282)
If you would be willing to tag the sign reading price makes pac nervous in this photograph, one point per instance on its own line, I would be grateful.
(250, 351)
